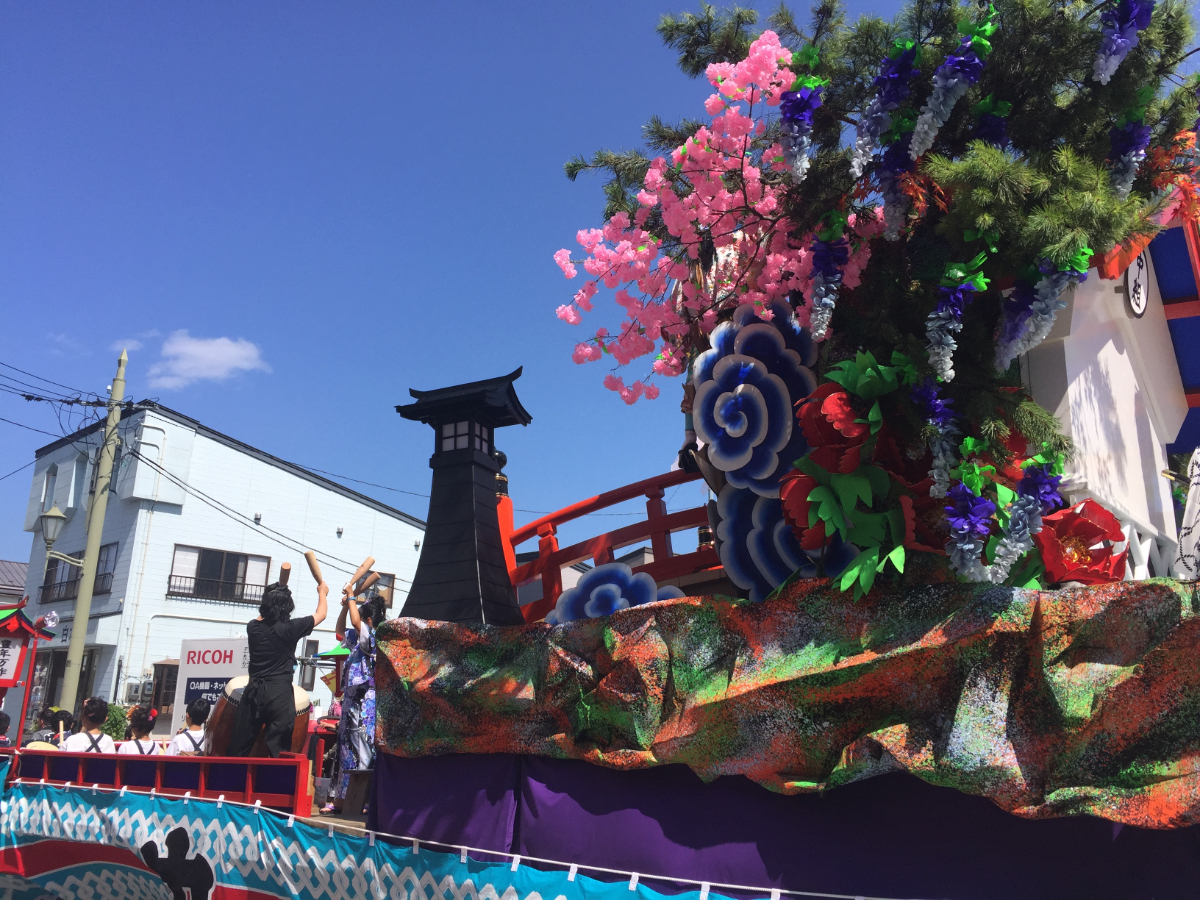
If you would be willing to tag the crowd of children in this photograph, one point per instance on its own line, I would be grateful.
(58, 729)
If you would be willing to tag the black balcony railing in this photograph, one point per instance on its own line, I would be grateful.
(59, 590)
(69, 590)
(211, 589)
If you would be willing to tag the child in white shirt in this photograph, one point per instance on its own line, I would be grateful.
(190, 741)
(140, 724)
(90, 738)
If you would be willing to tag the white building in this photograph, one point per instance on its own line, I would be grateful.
(197, 524)
(1117, 370)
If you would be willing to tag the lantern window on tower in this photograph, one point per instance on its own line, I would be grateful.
(456, 435)
(481, 437)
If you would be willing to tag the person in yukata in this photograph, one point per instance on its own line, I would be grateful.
(356, 728)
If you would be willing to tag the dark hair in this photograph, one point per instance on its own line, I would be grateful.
(95, 711)
(5, 721)
(197, 711)
(63, 720)
(47, 716)
(374, 609)
(140, 720)
(276, 604)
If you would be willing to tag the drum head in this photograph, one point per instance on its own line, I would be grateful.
(303, 703)
(40, 745)
(234, 687)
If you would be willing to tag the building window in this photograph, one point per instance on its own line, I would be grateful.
(481, 437)
(48, 488)
(308, 672)
(61, 581)
(384, 587)
(205, 574)
(105, 567)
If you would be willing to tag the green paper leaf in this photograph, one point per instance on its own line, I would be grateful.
(850, 488)
(880, 481)
(806, 465)
(896, 557)
(1004, 496)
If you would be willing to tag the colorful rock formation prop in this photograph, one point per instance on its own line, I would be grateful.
(1051, 703)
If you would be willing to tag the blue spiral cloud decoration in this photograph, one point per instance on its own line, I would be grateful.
(605, 590)
(747, 385)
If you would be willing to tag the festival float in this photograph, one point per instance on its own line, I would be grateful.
(930, 287)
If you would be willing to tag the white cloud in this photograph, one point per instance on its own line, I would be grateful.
(137, 342)
(186, 360)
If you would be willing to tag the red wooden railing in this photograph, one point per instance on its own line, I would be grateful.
(657, 528)
(281, 783)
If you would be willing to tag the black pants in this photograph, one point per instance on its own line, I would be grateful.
(269, 704)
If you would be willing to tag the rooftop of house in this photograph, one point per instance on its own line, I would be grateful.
(12, 576)
(132, 409)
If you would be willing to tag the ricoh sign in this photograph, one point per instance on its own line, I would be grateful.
(204, 669)
(214, 657)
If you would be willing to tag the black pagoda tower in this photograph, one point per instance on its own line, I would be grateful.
(461, 575)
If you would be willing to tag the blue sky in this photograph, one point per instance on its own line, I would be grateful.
(358, 198)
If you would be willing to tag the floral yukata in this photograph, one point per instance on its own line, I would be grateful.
(356, 728)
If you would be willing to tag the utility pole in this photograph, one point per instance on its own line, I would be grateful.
(95, 530)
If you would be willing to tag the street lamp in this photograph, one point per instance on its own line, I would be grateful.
(52, 525)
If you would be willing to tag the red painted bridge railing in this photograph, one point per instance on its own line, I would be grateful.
(658, 527)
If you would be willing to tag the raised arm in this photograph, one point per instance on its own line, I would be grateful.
(322, 604)
(355, 618)
(340, 628)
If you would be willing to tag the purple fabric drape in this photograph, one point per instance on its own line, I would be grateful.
(890, 836)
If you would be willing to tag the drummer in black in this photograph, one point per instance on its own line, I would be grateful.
(268, 700)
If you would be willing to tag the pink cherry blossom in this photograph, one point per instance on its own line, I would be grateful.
(563, 258)
(721, 189)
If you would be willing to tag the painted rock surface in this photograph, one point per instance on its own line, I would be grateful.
(1050, 703)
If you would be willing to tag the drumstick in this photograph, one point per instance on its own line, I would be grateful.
(367, 582)
(285, 572)
(313, 566)
(362, 570)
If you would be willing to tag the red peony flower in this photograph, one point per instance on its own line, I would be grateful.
(794, 489)
(1068, 542)
(827, 419)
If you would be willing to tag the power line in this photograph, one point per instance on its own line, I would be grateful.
(537, 512)
(15, 471)
(287, 541)
(40, 378)
(29, 427)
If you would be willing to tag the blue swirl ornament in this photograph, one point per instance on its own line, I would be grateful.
(747, 385)
(605, 590)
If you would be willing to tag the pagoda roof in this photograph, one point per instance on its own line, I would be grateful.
(492, 402)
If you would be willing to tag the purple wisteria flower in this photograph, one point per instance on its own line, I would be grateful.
(941, 326)
(1043, 310)
(892, 89)
(971, 515)
(830, 253)
(1040, 485)
(958, 71)
(1120, 29)
(940, 414)
(1129, 143)
(958, 287)
(992, 124)
(796, 110)
(893, 164)
(1015, 311)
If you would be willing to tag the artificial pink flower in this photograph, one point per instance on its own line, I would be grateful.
(563, 258)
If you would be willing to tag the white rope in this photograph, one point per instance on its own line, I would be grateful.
(635, 877)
